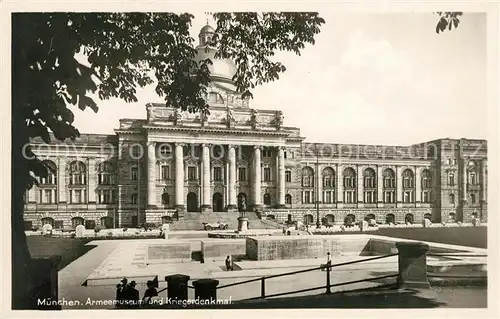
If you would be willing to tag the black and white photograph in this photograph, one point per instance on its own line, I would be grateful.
(167, 158)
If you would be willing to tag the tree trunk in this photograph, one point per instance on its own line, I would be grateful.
(21, 275)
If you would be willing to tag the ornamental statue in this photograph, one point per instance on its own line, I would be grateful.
(229, 117)
(254, 119)
(278, 119)
(204, 117)
(177, 117)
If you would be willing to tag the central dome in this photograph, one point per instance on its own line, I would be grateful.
(221, 69)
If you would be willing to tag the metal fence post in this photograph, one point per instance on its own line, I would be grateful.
(328, 268)
(263, 288)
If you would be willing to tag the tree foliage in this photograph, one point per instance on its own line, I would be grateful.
(124, 51)
(448, 20)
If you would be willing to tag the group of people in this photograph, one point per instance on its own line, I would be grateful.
(127, 296)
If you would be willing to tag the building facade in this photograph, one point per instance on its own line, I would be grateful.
(176, 162)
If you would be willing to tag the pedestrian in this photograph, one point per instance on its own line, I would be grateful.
(288, 233)
(149, 293)
(284, 231)
(118, 295)
(121, 293)
(133, 295)
(228, 263)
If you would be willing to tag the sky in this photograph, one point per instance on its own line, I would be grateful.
(384, 78)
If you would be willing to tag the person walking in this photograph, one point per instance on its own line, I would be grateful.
(149, 293)
(328, 261)
(229, 263)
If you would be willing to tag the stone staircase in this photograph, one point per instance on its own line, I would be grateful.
(195, 220)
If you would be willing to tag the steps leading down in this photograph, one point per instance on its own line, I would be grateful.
(195, 220)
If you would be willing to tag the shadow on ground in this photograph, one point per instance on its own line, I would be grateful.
(69, 249)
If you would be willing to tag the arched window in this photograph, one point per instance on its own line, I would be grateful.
(308, 219)
(369, 178)
(349, 178)
(51, 178)
(165, 199)
(214, 97)
(408, 186)
(408, 179)
(307, 177)
(48, 220)
(349, 186)
(426, 179)
(77, 173)
(328, 177)
(106, 173)
(288, 199)
(409, 218)
(165, 150)
(389, 178)
(75, 221)
(390, 218)
(267, 199)
(369, 183)
(389, 186)
(428, 216)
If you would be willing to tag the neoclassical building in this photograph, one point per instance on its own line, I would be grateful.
(190, 163)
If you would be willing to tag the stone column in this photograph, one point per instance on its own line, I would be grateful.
(179, 176)
(257, 180)
(232, 178)
(319, 185)
(61, 180)
(281, 177)
(380, 184)
(32, 194)
(484, 180)
(418, 185)
(339, 185)
(359, 184)
(399, 185)
(151, 174)
(412, 264)
(464, 179)
(92, 179)
(206, 205)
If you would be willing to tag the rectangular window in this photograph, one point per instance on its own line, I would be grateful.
(267, 174)
(48, 196)
(242, 174)
(192, 173)
(106, 196)
(389, 197)
(266, 153)
(426, 197)
(165, 172)
(307, 197)
(78, 196)
(328, 197)
(218, 173)
(349, 197)
(370, 197)
(472, 179)
(407, 197)
(473, 198)
(288, 176)
(134, 172)
(134, 199)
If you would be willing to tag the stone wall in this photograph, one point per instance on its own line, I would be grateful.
(304, 247)
(169, 252)
(217, 249)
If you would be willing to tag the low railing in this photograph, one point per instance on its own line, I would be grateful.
(327, 286)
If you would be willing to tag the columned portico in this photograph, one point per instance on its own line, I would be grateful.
(257, 178)
(281, 177)
(207, 197)
(232, 178)
(179, 176)
(151, 174)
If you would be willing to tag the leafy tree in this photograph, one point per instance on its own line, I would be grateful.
(448, 20)
(125, 51)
